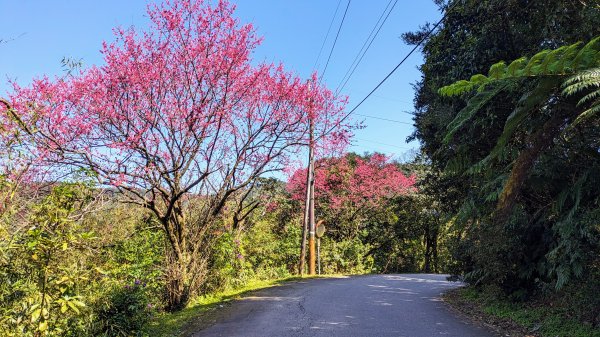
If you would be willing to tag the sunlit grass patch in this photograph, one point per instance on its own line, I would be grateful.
(201, 311)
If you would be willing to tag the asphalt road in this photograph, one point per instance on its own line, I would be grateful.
(374, 305)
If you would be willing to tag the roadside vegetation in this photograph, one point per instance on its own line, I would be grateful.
(564, 314)
(138, 196)
(507, 112)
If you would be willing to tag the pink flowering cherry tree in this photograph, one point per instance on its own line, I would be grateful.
(178, 117)
(348, 187)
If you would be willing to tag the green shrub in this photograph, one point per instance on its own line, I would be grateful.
(345, 257)
(43, 275)
(123, 311)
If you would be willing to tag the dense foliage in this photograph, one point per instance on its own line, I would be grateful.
(178, 120)
(349, 188)
(517, 160)
(130, 188)
(76, 261)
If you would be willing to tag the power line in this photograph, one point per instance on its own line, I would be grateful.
(380, 143)
(391, 72)
(360, 57)
(336, 38)
(327, 35)
(395, 68)
(366, 42)
(385, 119)
(388, 98)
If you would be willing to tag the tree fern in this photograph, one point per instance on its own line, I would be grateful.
(575, 68)
(588, 83)
(527, 103)
(578, 66)
(562, 62)
(473, 106)
(571, 71)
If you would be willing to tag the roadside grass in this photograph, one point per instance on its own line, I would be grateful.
(532, 318)
(201, 312)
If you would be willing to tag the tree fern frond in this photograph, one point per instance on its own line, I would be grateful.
(516, 65)
(560, 62)
(587, 56)
(480, 80)
(587, 114)
(528, 102)
(567, 57)
(480, 166)
(580, 87)
(497, 71)
(457, 88)
(582, 81)
(532, 67)
(589, 74)
(459, 163)
(473, 106)
(551, 59)
(591, 97)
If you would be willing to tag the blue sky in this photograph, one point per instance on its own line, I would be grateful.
(37, 34)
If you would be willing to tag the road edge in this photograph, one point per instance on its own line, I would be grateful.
(475, 313)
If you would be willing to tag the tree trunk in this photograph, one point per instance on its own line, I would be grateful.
(178, 278)
(427, 240)
(177, 283)
(434, 248)
(536, 143)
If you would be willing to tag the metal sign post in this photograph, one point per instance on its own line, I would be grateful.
(320, 232)
(318, 256)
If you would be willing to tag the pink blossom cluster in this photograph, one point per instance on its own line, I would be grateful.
(181, 103)
(353, 182)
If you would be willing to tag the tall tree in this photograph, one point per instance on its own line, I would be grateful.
(535, 231)
(179, 120)
(348, 187)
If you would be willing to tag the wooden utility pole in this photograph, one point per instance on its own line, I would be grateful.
(306, 221)
(311, 205)
(309, 210)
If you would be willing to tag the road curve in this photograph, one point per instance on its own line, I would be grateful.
(374, 305)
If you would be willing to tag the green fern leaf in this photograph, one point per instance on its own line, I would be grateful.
(587, 114)
(516, 66)
(591, 97)
(532, 67)
(498, 70)
(473, 106)
(456, 89)
(587, 56)
(551, 59)
(565, 61)
(582, 81)
(527, 103)
(479, 79)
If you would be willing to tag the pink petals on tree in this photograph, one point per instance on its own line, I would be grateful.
(180, 120)
(182, 98)
(353, 182)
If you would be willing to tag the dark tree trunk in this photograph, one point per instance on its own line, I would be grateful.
(427, 267)
(177, 284)
(179, 261)
(434, 248)
(536, 143)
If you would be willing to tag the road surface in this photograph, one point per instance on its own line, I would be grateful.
(374, 305)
